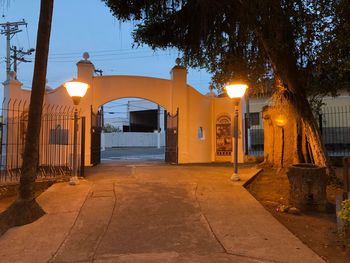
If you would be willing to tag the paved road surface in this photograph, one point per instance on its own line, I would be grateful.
(154, 212)
(132, 153)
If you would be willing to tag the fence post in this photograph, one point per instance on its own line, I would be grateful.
(82, 147)
(246, 127)
(320, 122)
(346, 174)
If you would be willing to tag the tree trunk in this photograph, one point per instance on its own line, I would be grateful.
(275, 34)
(25, 209)
(31, 150)
(281, 141)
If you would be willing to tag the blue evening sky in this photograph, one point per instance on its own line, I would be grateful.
(86, 25)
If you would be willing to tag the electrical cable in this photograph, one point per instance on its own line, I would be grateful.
(111, 52)
(108, 57)
(96, 51)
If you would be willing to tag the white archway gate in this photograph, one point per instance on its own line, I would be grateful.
(197, 133)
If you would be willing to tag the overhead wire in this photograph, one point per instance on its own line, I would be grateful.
(105, 59)
(99, 51)
(107, 56)
(108, 52)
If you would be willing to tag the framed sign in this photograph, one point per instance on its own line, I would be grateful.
(223, 136)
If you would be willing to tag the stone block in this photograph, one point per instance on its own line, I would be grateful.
(307, 187)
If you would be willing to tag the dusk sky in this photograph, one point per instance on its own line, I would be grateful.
(86, 25)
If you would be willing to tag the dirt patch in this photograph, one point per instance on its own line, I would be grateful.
(29, 211)
(8, 193)
(316, 230)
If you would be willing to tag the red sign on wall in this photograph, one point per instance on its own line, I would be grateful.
(223, 136)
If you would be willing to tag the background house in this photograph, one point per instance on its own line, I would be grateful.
(141, 126)
(333, 119)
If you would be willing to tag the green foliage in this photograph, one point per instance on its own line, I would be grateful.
(221, 36)
(333, 63)
(109, 128)
(344, 213)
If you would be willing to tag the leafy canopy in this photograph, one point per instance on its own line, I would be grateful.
(221, 36)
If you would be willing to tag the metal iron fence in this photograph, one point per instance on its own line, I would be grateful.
(55, 146)
(254, 134)
(334, 124)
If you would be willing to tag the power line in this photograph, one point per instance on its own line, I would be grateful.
(107, 59)
(101, 51)
(109, 55)
(111, 52)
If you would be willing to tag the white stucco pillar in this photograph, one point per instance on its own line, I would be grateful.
(158, 140)
(85, 70)
(15, 101)
(12, 90)
(180, 101)
(103, 141)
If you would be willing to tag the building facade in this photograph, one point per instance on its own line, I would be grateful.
(199, 127)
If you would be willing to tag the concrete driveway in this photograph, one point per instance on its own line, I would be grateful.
(133, 153)
(153, 212)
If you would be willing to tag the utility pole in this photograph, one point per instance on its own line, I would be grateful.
(100, 73)
(158, 119)
(9, 29)
(18, 56)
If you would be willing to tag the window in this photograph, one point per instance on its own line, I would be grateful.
(58, 136)
(201, 133)
(254, 118)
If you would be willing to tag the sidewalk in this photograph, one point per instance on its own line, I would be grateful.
(154, 213)
(37, 242)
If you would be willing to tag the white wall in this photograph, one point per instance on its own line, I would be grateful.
(257, 104)
(133, 139)
(195, 110)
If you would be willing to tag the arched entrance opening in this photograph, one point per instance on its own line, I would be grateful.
(133, 129)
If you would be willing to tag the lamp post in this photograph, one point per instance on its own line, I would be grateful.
(281, 122)
(235, 91)
(76, 91)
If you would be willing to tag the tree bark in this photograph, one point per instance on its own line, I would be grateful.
(275, 34)
(31, 150)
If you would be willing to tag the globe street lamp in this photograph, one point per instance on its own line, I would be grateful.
(280, 121)
(76, 91)
(235, 91)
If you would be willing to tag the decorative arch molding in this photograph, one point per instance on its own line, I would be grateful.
(223, 117)
(108, 88)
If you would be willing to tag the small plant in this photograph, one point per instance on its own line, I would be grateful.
(109, 128)
(344, 213)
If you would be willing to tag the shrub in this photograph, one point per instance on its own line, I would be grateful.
(344, 212)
